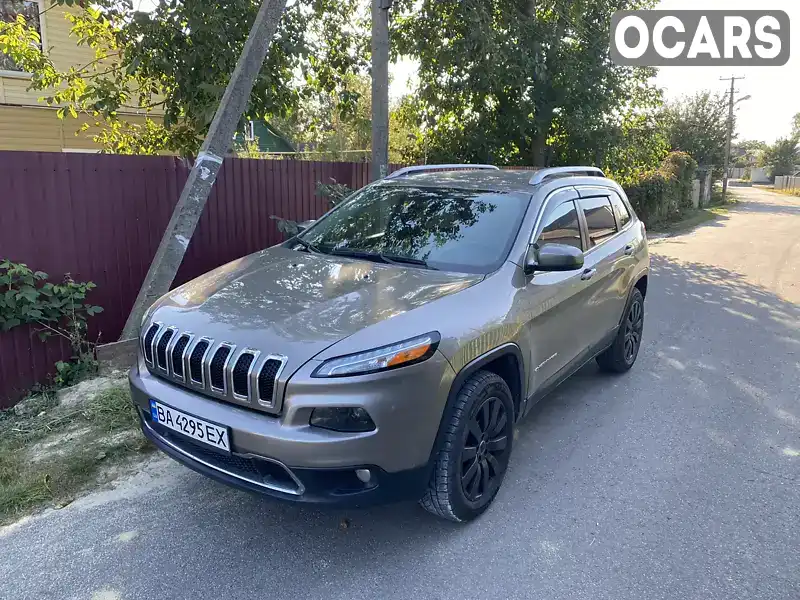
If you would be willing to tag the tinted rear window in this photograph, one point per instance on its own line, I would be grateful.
(623, 216)
(599, 219)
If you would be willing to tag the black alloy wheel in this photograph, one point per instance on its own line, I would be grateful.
(483, 456)
(620, 356)
(477, 437)
(634, 324)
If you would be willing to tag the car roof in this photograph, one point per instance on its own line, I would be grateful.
(484, 180)
(505, 180)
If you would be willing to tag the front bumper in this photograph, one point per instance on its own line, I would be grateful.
(284, 457)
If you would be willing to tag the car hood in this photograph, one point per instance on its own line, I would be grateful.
(297, 304)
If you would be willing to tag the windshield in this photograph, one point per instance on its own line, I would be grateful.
(453, 230)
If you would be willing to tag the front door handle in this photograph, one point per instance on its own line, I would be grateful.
(588, 274)
(629, 249)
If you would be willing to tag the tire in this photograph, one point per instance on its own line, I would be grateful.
(621, 355)
(477, 439)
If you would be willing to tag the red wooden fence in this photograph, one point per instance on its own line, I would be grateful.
(101, 217)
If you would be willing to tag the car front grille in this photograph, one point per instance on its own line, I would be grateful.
(219, 369)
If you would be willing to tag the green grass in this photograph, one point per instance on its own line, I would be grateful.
(794, 193)
(72, 466)
(688, 219)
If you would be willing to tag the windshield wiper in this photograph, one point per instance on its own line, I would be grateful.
(308, 245)
(390, 259)
(394, 259)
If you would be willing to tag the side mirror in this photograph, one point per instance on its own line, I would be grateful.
(553, 257)
(305, 224)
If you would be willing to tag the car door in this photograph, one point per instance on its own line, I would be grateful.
(556, 300)
(606, 259)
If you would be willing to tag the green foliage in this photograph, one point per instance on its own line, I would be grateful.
(796, 126)
(29, 298)
(174, 63)
(336, 131)
(781, 157)
(660, 195)
(335, 192)
(638, 145)
(516, 83)
(405, 136)
(699, 125)
(26, 297)
(340, 130)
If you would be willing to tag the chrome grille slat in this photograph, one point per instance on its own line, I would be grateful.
(197, 360)
(223, 352)
(148, 340)
(177, 355)
(243, 376)
(162, 344)
(267, 398)
(246, 360)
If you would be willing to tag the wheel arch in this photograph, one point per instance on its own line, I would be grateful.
(640, 282)
(505, 361)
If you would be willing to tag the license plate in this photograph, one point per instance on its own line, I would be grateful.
(197, 429)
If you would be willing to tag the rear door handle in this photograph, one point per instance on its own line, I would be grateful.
(629, 249)
(588, 274)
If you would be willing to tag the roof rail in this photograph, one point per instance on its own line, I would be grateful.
(545, 174)
(421, 168)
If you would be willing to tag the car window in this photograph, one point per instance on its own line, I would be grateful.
(623, 216)
(600, 221)
(466, 231)
(562, 227)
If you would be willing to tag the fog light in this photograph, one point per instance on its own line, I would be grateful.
(364, 475)
(350, 420)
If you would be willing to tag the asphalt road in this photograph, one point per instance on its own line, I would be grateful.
(678, 480)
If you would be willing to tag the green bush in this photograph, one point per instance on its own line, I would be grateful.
(661, 195)
(55, 309)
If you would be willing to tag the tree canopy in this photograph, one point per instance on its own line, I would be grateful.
(781, 157)
(699, 125)
(517, 82)
(174, 63)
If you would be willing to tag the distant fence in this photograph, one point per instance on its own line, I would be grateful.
(784, 182)
(101, 217)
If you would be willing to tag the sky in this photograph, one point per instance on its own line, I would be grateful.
(774, 91)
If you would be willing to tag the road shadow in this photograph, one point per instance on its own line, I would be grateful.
(767, 208)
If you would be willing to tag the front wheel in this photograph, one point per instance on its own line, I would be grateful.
(621, 355)
(473, 459)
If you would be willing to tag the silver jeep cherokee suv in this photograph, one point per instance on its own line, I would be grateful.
(387, 351)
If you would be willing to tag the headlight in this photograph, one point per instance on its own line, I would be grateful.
(402, 354)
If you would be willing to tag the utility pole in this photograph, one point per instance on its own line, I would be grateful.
(730, 135)
(380, 88)
(195, 193)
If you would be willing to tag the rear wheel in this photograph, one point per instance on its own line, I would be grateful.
(472, 462)
(621, 355)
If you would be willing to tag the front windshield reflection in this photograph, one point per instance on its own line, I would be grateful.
(457, 230)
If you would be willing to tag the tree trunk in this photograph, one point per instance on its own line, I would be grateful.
(543, 121)
(529, 8)
(539, 150)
